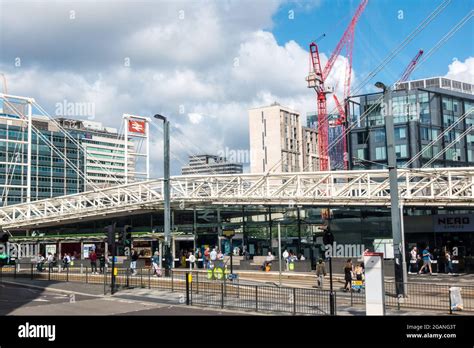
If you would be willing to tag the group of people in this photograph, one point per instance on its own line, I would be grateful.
(427, 257)
(352, 272)
(67, 260)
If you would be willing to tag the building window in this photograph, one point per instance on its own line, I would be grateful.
(470, 158)
(400, 133)
(425, 133)
(401, 151)
(361, 138)
(380, 153)
(379, 135)
(360, 153)
(427, 151)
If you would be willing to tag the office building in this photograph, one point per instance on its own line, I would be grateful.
(210, 165)
(90, 155)
(275, 139)
(422, 110)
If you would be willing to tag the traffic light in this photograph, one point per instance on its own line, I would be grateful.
(328, 237)
(4, 237)
(110, 232)
(127, 236)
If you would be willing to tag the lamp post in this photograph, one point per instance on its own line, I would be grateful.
(398, 245)
(166, 192)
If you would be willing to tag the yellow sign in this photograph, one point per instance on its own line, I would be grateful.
(115, 271)
(190, 278)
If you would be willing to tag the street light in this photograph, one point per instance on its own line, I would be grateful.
(398, 245)
(166, 193)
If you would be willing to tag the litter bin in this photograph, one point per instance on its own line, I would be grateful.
(455, 264)
(455, 299)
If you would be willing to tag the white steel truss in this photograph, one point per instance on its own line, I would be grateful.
(417, 187)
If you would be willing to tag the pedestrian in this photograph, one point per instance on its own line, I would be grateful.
(207, 258)
(268, 262)
(133, 263)
(285, 257)
(93, 260)
(302, 258)
(40, 262)
(358, 272)
(320, 272)
(192, 260)
(213, 256)
(200, 260)
(348, 275)
(155, 261)
(426, 256)
(414, 261)
(50, 261)
(102, 262)
(66, 261)
(449, 262)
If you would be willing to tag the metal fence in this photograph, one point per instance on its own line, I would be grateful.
(424, 296)
(225, 293)
(260, 298)
(201, 289)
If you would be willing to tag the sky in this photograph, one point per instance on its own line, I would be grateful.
(205, 63)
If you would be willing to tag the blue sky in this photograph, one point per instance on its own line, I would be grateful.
(379, 30)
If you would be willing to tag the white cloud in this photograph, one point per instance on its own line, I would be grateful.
(204, 72)
(194, 117)
(462, 71)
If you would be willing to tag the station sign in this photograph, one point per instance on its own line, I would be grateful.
(135, 126)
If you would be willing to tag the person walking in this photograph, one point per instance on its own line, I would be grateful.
(286, 255)
(449, 262)
(426, 260)
(93, 260)
(414, 261)
(348, 275)
(320, 272)
(50, 261)
(133, 263)
(155, 261)
(66, 261)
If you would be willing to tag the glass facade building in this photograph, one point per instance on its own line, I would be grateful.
(420, 116)
(60, 164)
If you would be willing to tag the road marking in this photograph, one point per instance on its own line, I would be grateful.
(39, 300)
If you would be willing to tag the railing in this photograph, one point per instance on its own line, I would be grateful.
(225, 292)
(258, 298)
(230, 293)
(424, 296)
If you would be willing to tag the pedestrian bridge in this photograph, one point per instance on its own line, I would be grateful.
(417, 187)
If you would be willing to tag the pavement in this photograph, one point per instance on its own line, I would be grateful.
(26, 297)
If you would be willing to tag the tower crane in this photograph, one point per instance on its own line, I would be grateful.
(317, 77)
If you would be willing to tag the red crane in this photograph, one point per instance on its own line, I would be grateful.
(411, 66)
(317, 78)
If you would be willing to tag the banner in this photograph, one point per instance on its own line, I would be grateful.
(453, 223)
